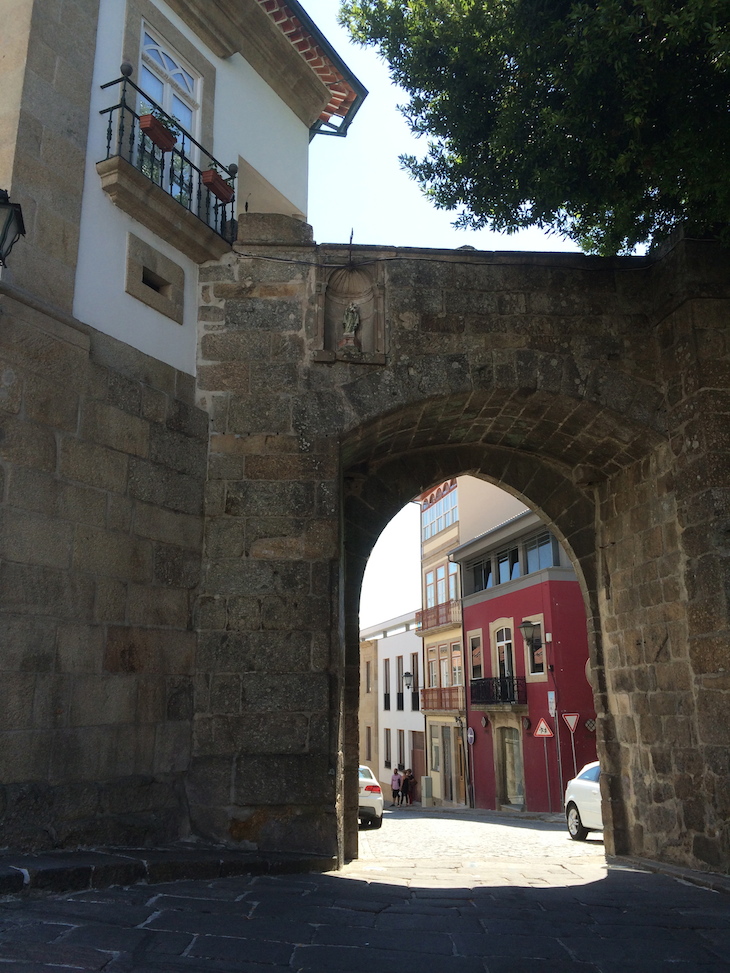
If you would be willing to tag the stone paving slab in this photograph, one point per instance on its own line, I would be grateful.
(616, 919)
(498, 899)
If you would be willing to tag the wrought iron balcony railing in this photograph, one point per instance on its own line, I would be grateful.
(185, 170)
(447, 613)
(448, 698)
(498, 690)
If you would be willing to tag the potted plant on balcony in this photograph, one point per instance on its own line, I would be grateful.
(157, 126)
(214, 182)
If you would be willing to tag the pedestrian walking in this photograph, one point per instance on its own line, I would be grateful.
(395, 784)
(408, 787)
(405, 788)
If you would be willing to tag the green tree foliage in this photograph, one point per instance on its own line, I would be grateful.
(605, 120)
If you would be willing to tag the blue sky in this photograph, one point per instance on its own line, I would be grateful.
(357, 184)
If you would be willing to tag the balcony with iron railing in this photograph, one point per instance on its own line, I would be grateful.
(447, 698)
(439, 616)
(159, 174)
(498, 691)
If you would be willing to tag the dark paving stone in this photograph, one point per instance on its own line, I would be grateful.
(250, 950)
(439, 944)
(516, 965)
(68, 957)
(650, 947)
(536, 948)
(316, 959)
(204, 904)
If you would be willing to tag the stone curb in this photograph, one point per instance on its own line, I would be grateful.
(74, 871)
(706, 880)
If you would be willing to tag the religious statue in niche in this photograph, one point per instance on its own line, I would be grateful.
(350, 320)
(350, 313)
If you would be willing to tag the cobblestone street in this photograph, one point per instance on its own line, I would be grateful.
(449, 891)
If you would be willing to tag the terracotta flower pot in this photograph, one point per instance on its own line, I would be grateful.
(216, 184)
(161, 135)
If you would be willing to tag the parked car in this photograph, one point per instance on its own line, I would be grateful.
(583, 802)
(371, 799)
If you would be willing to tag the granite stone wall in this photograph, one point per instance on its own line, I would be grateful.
(595, 390)
(102, 469)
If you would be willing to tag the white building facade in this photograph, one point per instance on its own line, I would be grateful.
(401, 725)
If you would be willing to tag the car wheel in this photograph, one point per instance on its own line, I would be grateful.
(575, 825)
(376, 822)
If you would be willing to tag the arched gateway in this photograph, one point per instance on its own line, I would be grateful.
(341, 382)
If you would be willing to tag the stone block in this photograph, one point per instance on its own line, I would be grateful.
(186, 418)
(267, 499)
(112, 554)
(210, 613)
(24, 756)
(153, 483)
(33, 539)
(179, 703)
(266, 780)
(247, 577)
(173, 748)
(297, 612)
(17, 692)
(93, 465)
(178, 452)
(224, 377)
(50, 404)
(153, 405)
(109, 426)
(30, 589)
(149, 650)
(252, 734)
(244, 614)
(26, 444)
(11, 389)
(265, 413)
(225, 694)
(153, 606)
(111, 600)
(80, 648)
(168, 526)
(100, 699)
(45, 494)
(306, 692)
(176, 567)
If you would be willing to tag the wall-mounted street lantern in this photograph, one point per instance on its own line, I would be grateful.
(408, 679)
(530, 634)
(11, 226)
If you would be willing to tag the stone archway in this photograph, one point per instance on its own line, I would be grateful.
(572, 382)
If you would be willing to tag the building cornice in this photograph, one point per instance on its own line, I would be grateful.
(282, 43)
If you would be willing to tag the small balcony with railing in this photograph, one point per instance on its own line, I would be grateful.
(439, 616)
(504, 692)
(159, 174)
(444, 699)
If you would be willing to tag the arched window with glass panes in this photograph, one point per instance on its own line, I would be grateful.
(170, 82)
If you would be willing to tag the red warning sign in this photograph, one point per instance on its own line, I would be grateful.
(542, 729)
(572, 720)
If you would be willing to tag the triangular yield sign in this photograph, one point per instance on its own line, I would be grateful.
(542, 729)
(572, 720)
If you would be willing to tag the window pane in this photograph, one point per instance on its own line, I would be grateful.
(475, 646)
(152, 85)
(182, 113)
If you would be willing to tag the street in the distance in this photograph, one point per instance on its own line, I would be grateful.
(451, 891)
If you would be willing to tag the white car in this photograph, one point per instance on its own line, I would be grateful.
(371, 799)
(583, 802)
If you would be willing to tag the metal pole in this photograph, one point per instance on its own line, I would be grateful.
(572, 743)
(547, 774)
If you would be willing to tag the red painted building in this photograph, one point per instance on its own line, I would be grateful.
(521, 685)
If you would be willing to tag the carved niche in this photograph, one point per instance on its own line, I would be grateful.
(351, 316)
